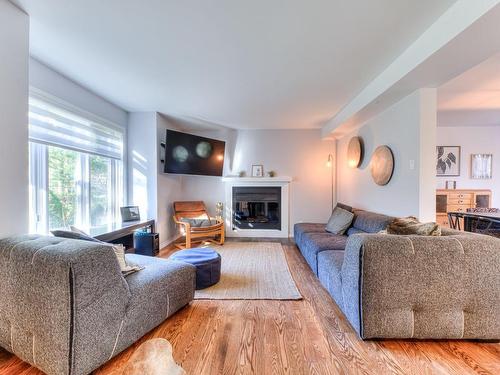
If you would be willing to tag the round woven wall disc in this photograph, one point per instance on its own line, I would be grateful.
(382, 165)
(354, 152)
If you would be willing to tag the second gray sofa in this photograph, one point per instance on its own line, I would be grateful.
(421, 287)
(66, 308)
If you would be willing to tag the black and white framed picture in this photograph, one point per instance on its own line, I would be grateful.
(257, 170)
(448, 161)
(481, 166)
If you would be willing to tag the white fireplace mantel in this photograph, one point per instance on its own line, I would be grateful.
(281, 181)
(257, 180)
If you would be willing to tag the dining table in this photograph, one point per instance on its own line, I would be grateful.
(469, 218)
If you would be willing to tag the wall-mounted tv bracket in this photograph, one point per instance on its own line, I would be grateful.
(163, 145)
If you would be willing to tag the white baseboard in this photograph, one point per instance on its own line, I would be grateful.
(169, 241)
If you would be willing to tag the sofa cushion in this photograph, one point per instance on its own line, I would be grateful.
(339, 221)
(329, 273)
(73, 235)
(300, 228)
(119, 249)
(370, 222)
(314, 243)
(353, 230)
(157, 292)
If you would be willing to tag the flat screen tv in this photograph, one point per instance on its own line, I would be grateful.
(190, 154)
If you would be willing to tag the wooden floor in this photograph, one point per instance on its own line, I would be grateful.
(292, 337)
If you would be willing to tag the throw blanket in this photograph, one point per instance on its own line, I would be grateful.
(410, 225)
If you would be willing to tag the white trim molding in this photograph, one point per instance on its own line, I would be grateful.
(282, 182)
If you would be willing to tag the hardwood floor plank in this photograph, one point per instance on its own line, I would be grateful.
(310, 336)
(409, 357)
(481, 361)
(342, 337)
(444, 360)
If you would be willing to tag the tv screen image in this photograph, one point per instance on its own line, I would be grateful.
(191, 154)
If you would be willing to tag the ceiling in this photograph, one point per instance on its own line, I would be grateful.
(241, 64)
(472, 98)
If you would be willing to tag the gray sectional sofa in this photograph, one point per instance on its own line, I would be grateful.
(421, 287)
(66, 308)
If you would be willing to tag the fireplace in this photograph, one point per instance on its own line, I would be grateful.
(256, 207)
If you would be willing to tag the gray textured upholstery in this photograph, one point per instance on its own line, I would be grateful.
(370, 222)
(340, 221)
(353, 230)
(314, 243)
(67, 309)
(329, 273)
(410, 286)
(312, 238)
(157, 292)
(300, 228)
(422, 287)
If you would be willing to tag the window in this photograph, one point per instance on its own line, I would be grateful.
(76, 168)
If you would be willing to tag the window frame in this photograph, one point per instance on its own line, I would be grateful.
(39, 171)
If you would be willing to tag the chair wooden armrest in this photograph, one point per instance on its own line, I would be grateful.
(197, 210)
(187, 226)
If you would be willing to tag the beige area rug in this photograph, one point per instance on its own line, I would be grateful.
(252, 270)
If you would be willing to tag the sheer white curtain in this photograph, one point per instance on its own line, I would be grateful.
(53, 122)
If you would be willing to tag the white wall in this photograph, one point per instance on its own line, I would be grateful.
(51, 82)
(169, 187)
(14, 54)
(473, 140)
(300, 154)
(403, 128)
(148, 187)
(142, 159)
(427, 149)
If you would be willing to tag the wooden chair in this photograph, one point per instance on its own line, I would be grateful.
(197, 210)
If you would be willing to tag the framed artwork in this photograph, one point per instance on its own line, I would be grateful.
(481, 166)
(257, 170)
(448, 161)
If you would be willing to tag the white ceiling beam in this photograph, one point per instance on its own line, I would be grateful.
(427, 62)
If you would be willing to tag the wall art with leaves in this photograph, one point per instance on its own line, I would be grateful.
(448, 161)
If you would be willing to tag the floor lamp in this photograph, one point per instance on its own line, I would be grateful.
(329, 164)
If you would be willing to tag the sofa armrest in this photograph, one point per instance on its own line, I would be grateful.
(422, 287)
(62, 299)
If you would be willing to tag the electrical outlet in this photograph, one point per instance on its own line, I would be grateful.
(412, 164)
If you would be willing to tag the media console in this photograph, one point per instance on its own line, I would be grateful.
(123, 233)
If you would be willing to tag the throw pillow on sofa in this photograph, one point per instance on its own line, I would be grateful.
(73, 235)
(340, 221)
(118, 249)
(410, 225)
(127, 268)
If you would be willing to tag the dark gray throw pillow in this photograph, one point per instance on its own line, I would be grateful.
(73, 235)
(340, 221)
(126, 267)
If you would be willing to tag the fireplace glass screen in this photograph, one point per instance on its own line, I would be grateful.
(256, 207)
